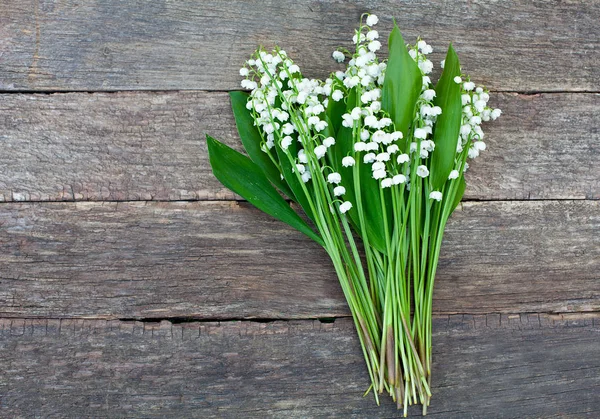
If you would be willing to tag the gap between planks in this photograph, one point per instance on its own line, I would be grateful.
(163, 91)
(503, 318)
(217, 200)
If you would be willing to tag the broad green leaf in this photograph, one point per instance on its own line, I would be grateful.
(292, 179)
(447, 126)
(402, 84)
(238, 173)
(334, 112)
(251, 140)
(373, 208)
(343, 147)
(369, 187)
(459, 193)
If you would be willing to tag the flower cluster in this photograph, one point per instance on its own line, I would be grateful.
(287, 107)
(289, 110)
(376, 140)
(475, 111)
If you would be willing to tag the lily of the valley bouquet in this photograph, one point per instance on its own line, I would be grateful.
(375, 157)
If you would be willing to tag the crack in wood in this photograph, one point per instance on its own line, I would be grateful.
(504, 319)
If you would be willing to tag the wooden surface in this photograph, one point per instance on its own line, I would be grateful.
(133, 285)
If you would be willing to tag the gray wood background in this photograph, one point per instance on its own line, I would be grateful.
(133, 285)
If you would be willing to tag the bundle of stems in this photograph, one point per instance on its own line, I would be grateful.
(375, 157)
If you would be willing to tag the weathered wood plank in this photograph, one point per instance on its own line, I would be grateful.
(115, 45)
(121, 146)
(144, 146)
(220, 260)
(521, 366)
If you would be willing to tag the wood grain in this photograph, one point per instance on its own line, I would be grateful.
(50, 45)
(151, 146)
(216, 260)
(510, 366)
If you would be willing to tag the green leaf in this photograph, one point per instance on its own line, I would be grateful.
(292, 179)
(373, 208)
(344, 146)
(459, 193)
(238, 173)
(251, 140)
(369, 187)
(334, 112)
(402, 84)
(447, 126)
